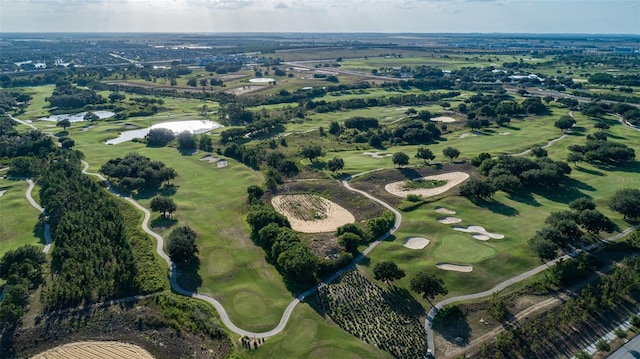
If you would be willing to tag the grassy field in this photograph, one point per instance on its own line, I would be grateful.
(19, 218)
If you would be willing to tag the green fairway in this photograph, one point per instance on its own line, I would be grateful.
(19, 218)
(461, 248)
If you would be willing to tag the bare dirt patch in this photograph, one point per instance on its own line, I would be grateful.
(245, 89)
(309, 213)
(444, 119)
(453, 179)
(416, 242)
(479, 230)
(96, 350)
(449, 220)
(455, 267)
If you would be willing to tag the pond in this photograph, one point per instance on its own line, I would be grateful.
(77, 117)
(262, 80)
(193, 126)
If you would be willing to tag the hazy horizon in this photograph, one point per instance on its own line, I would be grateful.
(615, 17)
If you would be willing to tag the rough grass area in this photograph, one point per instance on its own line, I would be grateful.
(384, 318)
(423, 184)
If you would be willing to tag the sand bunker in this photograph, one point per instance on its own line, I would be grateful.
(416, 242)
(505, 133)
(453, 179)
(470, 134)
(443, 119)
(95, 350)
(479, 230)
(480, 237)
(309, 213)
(444, 210)
(2, 192)
(449, 220)
(377, 154)
(210, 159)
(222, 164)
(455, 267)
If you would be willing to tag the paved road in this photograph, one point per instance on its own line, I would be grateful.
(224, 316)
(630, 350)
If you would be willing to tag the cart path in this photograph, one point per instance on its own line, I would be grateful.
(429, 320)
(47, 229)
(224, 316)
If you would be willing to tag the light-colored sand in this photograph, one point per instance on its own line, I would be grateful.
(453, 179)
(455, 267)
(222, 164)
(449, 220)
(416, 242)
(210, 158)
(505, 133)
(95, 350)
(479, 230)
(480, 237)
(2, 192)
(309, 213)
(471, 134)
(377, 154)
(443, 119)
(444, 210)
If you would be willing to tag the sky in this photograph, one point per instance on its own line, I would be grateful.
(395, 16)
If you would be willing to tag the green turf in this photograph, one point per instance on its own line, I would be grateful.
(461, 248)
(19, 218)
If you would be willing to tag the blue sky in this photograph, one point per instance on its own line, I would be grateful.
(423, 16)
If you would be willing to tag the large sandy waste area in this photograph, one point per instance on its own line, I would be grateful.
(95, 350)
(453, 179)
(298, 207)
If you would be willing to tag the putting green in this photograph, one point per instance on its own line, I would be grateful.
(458, 248)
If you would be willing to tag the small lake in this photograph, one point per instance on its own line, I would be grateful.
(262, 80)
(77, 117)
(193, 126)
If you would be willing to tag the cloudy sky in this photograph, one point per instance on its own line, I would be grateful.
(530, 16)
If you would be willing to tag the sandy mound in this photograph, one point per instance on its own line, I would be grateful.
(453, 179)
(416, 242)
(479, 230)
(455, 267)
(222, 163)
(443, 119)
(210, 159)
(309, 213)
(95, 350)
(377, 154)
(449, 220)
(444, 210)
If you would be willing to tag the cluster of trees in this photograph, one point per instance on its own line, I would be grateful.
(510, 173)
(259, 126)
(546, 335)
(137, 172)
(22, 270)
(92, 258)
(181, 244)
(30, 143)
(10, 100)
(563, 228)
(629, 113)
(66, 96)
(598, 150)
(609, 79)
(627, 202)
(420, 99)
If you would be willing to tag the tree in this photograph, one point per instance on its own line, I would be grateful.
(335, 164)
(582, 204)
(544, 248)
(538, 152)
(299, 264)
(182, 244)
(594, 221)
(565, 123)
(627, 202)
(477, 188)
(334, 128)
(186, 141)
(158, 137)
(387, 271)
(425, 154)
(163, 205)
(451, 153)
(575, 157)
(601, 125)
(254, 193)
(400, 159)
(349, 241)
(64, 123)
(205, 143)
(311, 152)
(67, 143)
(428, 284)
(91, 117)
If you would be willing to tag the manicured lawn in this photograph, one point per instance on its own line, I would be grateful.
(308, 335)
(19, 218)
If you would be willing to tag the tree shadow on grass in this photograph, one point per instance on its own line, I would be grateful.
(162, 222)
(401, 300)
(452, 324)
(496, 207)
(567, 192)
(38, 231)
(525, 197)
(188, 274)
(166, 190)
(409, 173)
(589, 171)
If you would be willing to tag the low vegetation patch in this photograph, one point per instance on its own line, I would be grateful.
(423, 183)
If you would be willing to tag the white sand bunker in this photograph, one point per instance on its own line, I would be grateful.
(96, 350)
(377, 154)
(444, 210)
(471, 134)
(479, 230)
(416, 242)
(443, 119)
(309, 213)
(2, 192)
(453, 179)
(481, 237)
(222, 164)
(449, 220)
(505, 133)
(210, 159)
(455, 267)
